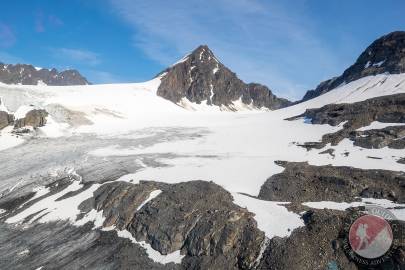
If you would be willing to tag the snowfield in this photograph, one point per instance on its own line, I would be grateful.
(99, 129)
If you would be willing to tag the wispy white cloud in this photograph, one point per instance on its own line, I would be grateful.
(55, 20)
(262, 41)
(7, 37)
(77, 55)
(39, 21)
(42, 21)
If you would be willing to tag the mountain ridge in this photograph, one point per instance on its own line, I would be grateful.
(26, 74)
(384, 55)
(200, 77)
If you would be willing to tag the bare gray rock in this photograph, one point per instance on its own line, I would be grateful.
(386, 109)
(197, 217)
(392, 137)
(300, 182)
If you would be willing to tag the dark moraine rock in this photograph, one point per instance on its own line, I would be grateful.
(386, 109)
(391, 137)
(34, 118)
(200, 77)
(198, 218)
(385, 55)
(319, 246)
(300, 182)
(29, 75)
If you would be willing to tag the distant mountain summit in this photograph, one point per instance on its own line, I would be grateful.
(385, 55)
(201, 79)
(30, 75)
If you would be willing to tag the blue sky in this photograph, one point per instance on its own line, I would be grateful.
(288, 45)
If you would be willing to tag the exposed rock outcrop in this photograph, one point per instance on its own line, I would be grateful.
(6, 119)
(198, 218)
(385, 55)
(201, 78)
(34, 118)
(386, 109)
(29, 75)
(300, 182)
(392, 137)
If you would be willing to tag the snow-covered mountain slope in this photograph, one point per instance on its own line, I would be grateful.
(123, 134)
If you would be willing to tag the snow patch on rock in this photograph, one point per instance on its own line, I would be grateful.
(272, 217)
(152, 195)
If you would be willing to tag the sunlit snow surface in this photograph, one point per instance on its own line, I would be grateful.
(109, 127)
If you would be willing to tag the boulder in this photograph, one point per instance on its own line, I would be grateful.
(6, 119)
(34, 118)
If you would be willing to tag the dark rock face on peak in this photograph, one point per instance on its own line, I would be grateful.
(385, 55)
(29, 75)
(200, 77)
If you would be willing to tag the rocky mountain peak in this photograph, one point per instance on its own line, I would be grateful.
(204, 56)
(30, 75)
(201, 78)
(384, 55)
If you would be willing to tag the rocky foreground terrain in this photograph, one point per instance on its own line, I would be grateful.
(139, 176)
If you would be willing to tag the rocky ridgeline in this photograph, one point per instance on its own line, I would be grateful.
(29, 75)
(386, 109)
(201, 78)
(385, 55)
